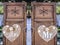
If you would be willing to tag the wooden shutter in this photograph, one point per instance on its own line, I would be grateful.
(15, 13)
(42, 14)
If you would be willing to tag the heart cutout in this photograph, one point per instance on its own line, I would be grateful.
(47, 33)
(11, 32)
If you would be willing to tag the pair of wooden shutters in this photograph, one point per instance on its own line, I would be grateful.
(42, 13)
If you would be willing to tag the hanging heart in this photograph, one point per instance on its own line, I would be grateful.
(11, 32)
(47, 33)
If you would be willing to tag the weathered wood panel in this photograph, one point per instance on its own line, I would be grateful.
(42, 14)
(15, 13)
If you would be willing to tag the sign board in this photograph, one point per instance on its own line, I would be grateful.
(15, 13)
(42, 14)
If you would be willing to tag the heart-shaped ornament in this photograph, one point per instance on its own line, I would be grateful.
(47, 33)
(11, 32)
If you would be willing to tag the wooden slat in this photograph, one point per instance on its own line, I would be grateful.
(14, 19)
(43, 19)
